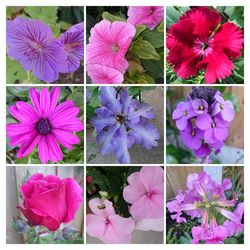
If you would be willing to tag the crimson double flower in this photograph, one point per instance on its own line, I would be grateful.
(199, 41)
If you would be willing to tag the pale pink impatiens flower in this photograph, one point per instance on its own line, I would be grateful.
(108, 45)
(106, 225)
(150, 16)
(145, 193)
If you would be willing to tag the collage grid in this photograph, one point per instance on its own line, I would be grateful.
(149, 229)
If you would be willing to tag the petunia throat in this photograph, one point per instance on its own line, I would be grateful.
(43, 126)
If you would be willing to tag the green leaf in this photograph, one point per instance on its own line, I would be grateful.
(235, 14)
(112, 18)
(139, 79)
(154, 67)
(15, 73)
(95, 98)
(154, 37)
(173, 15)
(144, 50)
(231, 240)
(99, 179)
(139, 30)
(46, 14)
(160, 27)
(77, 241)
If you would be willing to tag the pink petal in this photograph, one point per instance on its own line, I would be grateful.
(35, 99)
(54, 96)
(95, 225)
(43, 150)
(101, 208)
(54, 149)
(204, 122)
(45, 102)
(65, 138)
(27, 110)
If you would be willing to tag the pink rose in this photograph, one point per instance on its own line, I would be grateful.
(106, 225)
(145, 192)
(49, 200)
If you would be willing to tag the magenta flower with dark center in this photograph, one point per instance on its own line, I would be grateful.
(44, 123)
(31, 43)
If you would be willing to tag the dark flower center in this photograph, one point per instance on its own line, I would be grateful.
(185, 113)
(193, 133)
(201, 107)
(205, 46)
(107, 221)
(43, 126)
(120, 118)
(102, 206)
(213, 125)
(205, 93)
(222, 106)
(149, 194)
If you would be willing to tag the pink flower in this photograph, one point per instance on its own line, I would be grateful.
(145, 193)
(44, 124)
(103, 74)
(49, 200)
(108, 45)
(198, 41)
(106, 225)
(150, 16)
(216, 235)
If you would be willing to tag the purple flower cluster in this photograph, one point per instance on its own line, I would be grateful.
(203, 120)
(121, 122)
(206, 199)
(32, 44)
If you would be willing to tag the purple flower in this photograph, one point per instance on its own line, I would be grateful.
(192, 137)
(121, 122)
(203, 151)
(73, 43)
(199, 106)
(182, 114)
(44, 123)
(225, 108)
(216, 129)
(31, 43)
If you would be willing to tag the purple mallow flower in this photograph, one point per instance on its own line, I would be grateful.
(31, 43)
(203, 120)
(73, 43)
(121, 122)
(205, 199)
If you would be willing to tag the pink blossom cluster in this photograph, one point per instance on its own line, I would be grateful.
(144, 193)
(206, 199)
(109, 43)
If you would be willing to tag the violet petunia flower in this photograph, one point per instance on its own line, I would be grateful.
(205, 199)
(121, 122)
(73, 43)
(31, 43)
(150, 16)
(108, 45)
(106, 225)
(44, 123)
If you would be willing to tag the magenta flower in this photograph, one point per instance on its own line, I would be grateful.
(103, 74)
(108, 45)
(145, 191)
(31, 43)
(73, 43)
(182, 114)
(44, 124)
(150, 16)
(199, 41)
(205, 199)
(106, 225)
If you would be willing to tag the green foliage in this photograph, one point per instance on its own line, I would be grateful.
(14, 94)
(233, 14)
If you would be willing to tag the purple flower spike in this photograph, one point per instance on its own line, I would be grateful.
(73, 43)
(31, 43)
(203, 120)
(121, 122)
(225, 108)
